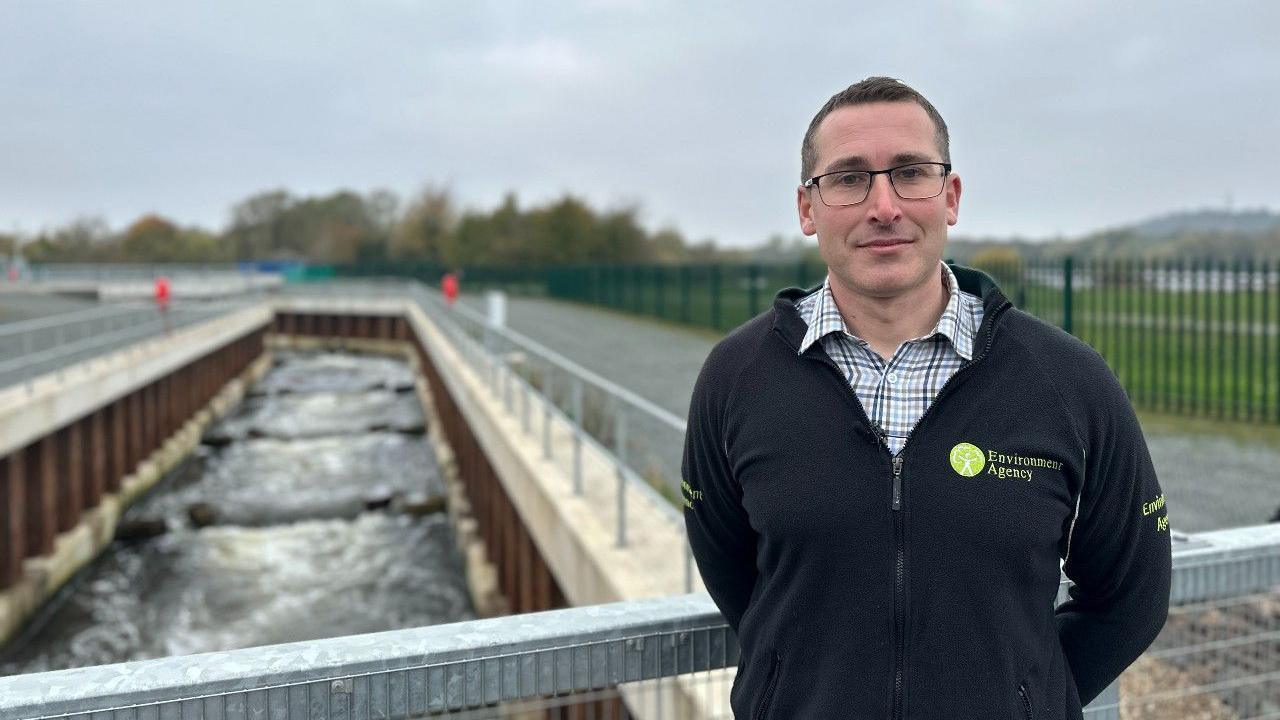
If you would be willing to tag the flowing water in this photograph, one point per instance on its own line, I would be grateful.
(309, 512)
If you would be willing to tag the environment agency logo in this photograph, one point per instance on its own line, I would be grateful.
(967, 459)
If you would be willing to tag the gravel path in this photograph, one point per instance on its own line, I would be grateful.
(1212, 480)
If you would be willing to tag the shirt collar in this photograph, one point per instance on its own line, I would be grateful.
(957, 323)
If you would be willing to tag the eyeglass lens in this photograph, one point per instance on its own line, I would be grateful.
(911, 182)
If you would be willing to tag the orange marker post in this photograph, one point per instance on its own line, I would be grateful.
(449, 287)
(162, 301)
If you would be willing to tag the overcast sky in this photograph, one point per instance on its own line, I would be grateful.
(1063, 119)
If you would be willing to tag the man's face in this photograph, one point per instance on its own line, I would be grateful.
(883, 247)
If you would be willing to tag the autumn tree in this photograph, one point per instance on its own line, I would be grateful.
(424, 231)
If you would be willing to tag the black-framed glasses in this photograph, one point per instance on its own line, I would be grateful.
(914, 181)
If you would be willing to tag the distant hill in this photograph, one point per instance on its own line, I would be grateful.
(1221, 234)
(1239, 222)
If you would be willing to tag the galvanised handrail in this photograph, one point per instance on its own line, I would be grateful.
(31, 363)
(71, 317)
(499, 374)
(473, 664)
(131, 271)
(400, 672)
(666, 417)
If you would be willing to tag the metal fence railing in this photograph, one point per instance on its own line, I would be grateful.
(33, 347)
(1186, 337)
(128, 271)
(1218, 657)
(1194, 337)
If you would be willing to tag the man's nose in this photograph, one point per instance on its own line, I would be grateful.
(883, 201)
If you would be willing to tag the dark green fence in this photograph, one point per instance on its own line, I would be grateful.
(524, 281)
(1187, 337)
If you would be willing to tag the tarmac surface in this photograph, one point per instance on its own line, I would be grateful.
(1215, 475)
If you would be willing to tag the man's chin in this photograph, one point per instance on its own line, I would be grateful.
(886, 283)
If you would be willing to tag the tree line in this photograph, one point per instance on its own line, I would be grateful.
(347, 227)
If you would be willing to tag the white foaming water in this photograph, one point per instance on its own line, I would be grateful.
(268, 571)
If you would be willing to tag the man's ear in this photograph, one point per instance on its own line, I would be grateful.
(953, 198)
(805, 210)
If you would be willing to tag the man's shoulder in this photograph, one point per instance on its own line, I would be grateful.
(741, 344)
(1077, 373)
(735, 352)
(1051, 345)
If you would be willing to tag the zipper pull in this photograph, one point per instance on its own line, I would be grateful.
(896, 503)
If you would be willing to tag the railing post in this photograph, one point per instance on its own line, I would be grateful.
(686, 282)
(659, 292)
(688, 564)
(715, 297)
(1250, 288)
(620, 440)
(753, 292)
(1068, 271)
(505, 367)
(577, 435)
(546, 412)
(524, 407)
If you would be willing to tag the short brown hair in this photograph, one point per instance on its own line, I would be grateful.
(873, 89)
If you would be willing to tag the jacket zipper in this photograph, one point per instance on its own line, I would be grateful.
(1026, 700)
(899, 587)
(768, 689)
(895, 501)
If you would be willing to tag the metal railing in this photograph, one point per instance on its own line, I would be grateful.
(33, 347)
(643, 441)
(1219, 657)
(129, 271)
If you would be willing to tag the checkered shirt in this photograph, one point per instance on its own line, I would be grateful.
(897, 393)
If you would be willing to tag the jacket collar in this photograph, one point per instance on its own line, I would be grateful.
(788, 323)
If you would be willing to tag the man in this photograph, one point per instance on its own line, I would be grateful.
(885, 475)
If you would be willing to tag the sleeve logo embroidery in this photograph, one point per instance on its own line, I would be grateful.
(1155, 506)
(689, 494)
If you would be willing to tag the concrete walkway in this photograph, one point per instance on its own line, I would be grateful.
(1214, 476)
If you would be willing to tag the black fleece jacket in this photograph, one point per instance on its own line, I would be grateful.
(923, 586)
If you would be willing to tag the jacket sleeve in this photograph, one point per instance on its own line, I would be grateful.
(1118, 549)
(720, 533)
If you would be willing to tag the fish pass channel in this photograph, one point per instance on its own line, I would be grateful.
(312, 511)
